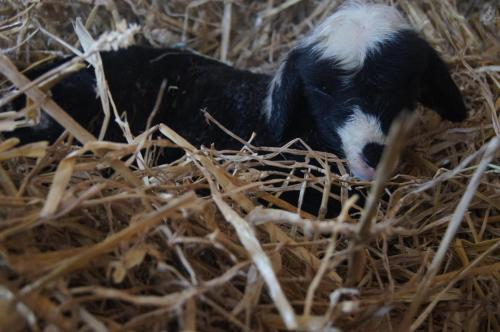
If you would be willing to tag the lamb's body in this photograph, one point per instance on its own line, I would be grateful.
(134, 75)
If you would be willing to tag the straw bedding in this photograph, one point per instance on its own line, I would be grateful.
(97, 237)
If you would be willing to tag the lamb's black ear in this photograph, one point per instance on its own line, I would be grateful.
(439, 92)
(286, 95)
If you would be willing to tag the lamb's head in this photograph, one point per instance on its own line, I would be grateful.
(352, 76)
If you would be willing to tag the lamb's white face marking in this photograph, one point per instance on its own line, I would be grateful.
(360, 129)
(353, 31)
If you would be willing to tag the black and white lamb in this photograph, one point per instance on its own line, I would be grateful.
(339, 89)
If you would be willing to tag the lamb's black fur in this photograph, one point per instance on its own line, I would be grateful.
(194, 83)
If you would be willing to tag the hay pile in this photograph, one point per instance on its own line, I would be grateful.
(139, 250)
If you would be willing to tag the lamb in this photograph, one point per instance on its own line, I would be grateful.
(339, 89)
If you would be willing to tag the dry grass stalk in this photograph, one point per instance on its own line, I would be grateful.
(388, 164)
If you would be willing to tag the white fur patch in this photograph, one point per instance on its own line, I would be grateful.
(354, 30)
(275, 84)
(360, 129)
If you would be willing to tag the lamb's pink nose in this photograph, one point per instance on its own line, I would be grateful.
(363, 172)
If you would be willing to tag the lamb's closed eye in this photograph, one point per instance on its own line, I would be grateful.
(323, 92)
